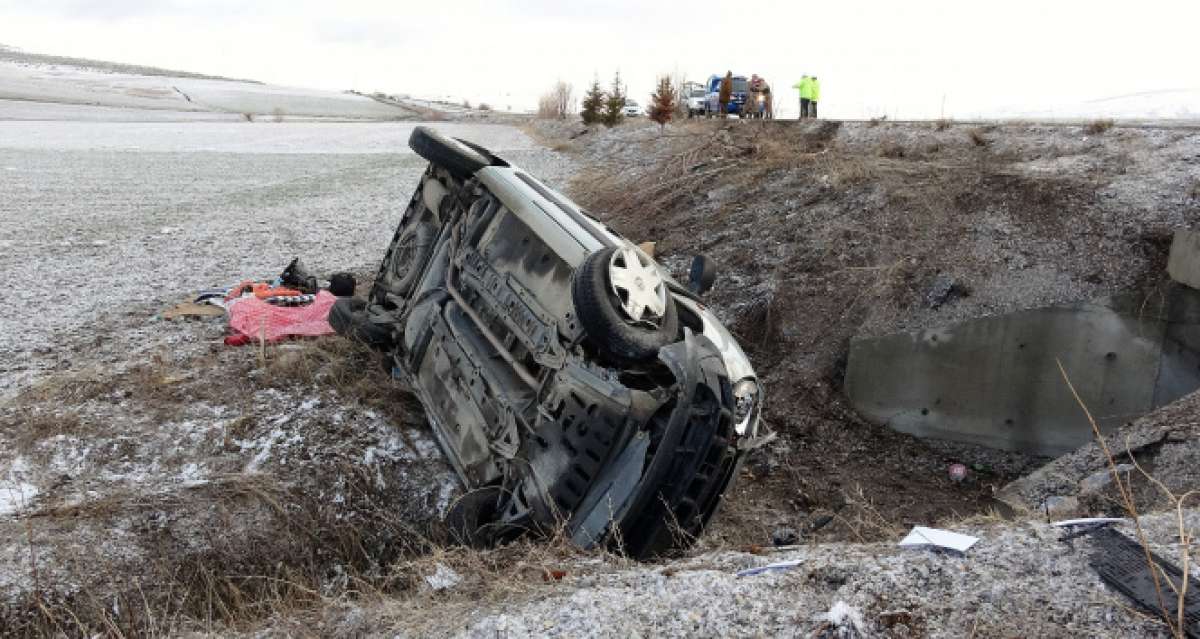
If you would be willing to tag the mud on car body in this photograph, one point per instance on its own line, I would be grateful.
(571, 382)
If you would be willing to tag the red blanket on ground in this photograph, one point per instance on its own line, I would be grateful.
(253, 318)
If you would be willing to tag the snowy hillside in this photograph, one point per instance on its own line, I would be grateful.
(38, 87)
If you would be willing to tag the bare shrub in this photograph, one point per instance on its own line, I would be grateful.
(278, 114)
(484, 106)
(942, 124)
(466, 103)
(891, 149)
(1096, 127)
(558, 102)
(248, 117)
(977, 138)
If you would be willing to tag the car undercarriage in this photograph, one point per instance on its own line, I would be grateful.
(574, 386)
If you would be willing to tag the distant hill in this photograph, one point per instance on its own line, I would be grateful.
(13, 54)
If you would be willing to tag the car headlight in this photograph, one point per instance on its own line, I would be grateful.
(746, 403)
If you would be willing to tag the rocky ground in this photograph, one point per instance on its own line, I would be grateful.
(154, 481)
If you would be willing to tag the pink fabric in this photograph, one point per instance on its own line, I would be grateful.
(253, 317)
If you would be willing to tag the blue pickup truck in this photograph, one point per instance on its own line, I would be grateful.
(712, 102)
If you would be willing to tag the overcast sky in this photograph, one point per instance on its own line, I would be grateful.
(917, 58)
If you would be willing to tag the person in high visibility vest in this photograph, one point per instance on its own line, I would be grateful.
(804, 86)
(814, 95)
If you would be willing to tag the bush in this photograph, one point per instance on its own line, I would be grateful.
(663, 101)
(1096, 127)
(614, 103)
(558, 102)
(593, 104)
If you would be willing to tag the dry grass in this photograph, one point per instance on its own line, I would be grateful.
(942, 124)
(1096, 127)
(977, 138)
(891, 148)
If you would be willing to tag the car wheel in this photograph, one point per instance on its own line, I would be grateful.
(469, 517)
(460, 160)
(624, 306)
(348, 317)
(402, 265)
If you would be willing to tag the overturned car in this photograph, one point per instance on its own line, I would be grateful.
(573, 384)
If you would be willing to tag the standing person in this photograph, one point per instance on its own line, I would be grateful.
(803, 86)
(725, 93)
(814, 95)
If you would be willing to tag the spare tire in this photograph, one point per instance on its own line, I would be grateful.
(349, 318)
(623, 304)
(460, 160)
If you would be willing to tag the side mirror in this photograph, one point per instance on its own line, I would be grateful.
(702, 275)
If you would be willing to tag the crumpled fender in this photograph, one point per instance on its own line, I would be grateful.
(615, 496)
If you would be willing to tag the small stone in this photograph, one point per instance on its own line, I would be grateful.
(1101, 479)
(1060, 507)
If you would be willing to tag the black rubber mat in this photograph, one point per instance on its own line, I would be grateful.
(1121, 563)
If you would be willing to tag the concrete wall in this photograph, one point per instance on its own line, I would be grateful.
(1184, 263)
(994, 381)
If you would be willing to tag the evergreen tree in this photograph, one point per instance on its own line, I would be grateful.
(662, 101)
(593, 104)
(614, 104)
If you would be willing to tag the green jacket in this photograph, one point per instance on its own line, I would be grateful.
(814, 89)
(805, 85)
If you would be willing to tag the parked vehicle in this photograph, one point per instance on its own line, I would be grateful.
(692, 96)
(632, 110)
(737, 99)
(572, 383)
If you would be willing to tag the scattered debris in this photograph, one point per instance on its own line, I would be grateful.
(842, 621)
(1122, 563)
(192, 309)
(443, 578)
(958, 472)
(785, 536)
(775, 567)
(943, 289)
(258, 319)
(922, 537)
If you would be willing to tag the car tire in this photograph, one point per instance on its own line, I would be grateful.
(460, 160)
(348, 317)
(402, 265)
(469, 518)
(597, 309)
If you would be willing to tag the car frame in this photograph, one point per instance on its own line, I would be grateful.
(572, 383)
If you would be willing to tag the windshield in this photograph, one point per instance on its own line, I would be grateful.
(696, 93)
(630, 103)
(739, 85)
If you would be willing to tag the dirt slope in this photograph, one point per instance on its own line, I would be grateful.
(826, 231)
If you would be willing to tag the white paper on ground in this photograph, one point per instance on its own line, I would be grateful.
(1088, 521)
(921, 537)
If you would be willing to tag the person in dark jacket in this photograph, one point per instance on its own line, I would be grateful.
(725, 93)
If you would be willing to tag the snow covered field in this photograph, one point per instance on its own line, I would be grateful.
(100, 218)
(29, 79)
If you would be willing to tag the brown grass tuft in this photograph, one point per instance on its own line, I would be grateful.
(1096, 127)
